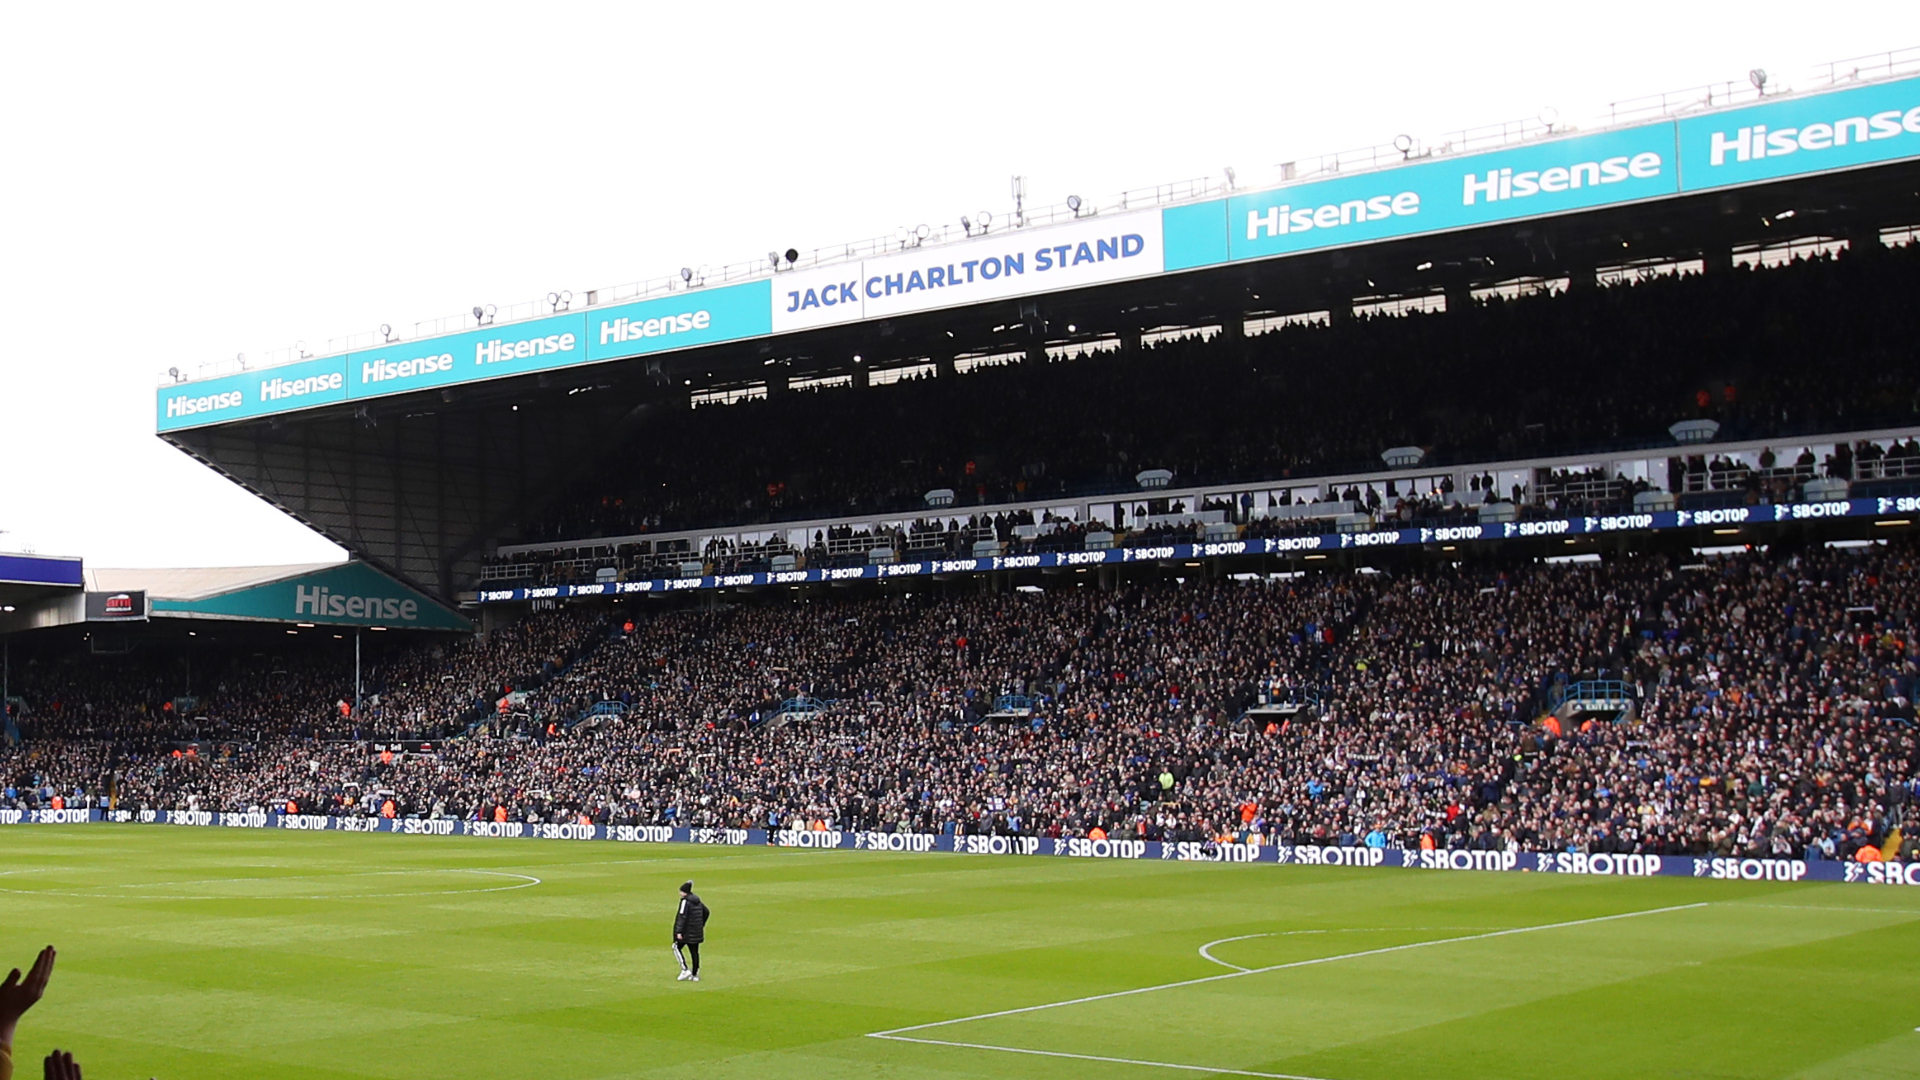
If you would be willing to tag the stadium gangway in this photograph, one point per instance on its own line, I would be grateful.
(1279, 713)
(795, 708)
(1011, 707)
(1613, 698)
(1282, 704)
(598, 713)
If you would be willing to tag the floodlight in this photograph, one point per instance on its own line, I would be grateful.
(1549, 116)
(686, 274)
(773, 259)
(985, 219)
(479, 313)
(1404, 144)
(793, 256)
(1073, 203)
(1230, 176)
(301, 348)
(386, 331)
(965, 224)
(173, 373)
(1758, 77)
(921, 232)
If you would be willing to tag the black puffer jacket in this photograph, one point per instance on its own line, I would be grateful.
(690, 922)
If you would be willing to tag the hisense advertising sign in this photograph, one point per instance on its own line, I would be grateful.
(1839, 129)
(351, 594)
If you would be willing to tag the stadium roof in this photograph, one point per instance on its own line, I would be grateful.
(323, 594)
(1646, 112)
(421, 456)
(30, 579)
(193, 582)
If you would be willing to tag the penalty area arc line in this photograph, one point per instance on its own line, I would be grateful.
(1206, 951)
(1283, 967)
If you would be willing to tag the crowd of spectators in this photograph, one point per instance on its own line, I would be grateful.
(1815, 346)
(242, 694)
(1772, 713)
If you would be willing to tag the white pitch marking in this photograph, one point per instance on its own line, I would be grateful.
(1282, 967)
(527, 881)
(1095, 1057)
(1245, 937)
(1915, 912)
(1335, 930)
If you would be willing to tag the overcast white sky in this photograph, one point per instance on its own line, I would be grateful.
(180, 183)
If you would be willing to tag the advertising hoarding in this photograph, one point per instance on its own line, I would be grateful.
(351, 594)
(1801, 136)
(1302, 545)
(1569, 863)
(128, 606)
(1839, 129)
(285, 388)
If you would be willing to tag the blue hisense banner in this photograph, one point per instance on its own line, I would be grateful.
(1857, 126)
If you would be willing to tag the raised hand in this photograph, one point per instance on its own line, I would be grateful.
(17, 995)
(61, 1066)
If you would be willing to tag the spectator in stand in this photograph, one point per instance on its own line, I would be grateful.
(1768, 719)
(1308, 400)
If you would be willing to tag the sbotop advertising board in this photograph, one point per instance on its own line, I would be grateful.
(1309, 545)
(1711, 867)
(1850, 128)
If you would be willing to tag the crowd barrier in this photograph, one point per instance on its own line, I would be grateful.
(1721, 868)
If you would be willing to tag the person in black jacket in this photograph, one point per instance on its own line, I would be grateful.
(689, 930)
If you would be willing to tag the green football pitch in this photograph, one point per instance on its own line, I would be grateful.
(233, 953)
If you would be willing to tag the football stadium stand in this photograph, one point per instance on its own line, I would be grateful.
(1547, 492)
(1751, 704)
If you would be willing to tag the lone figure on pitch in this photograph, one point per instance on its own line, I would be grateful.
(689, 930)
